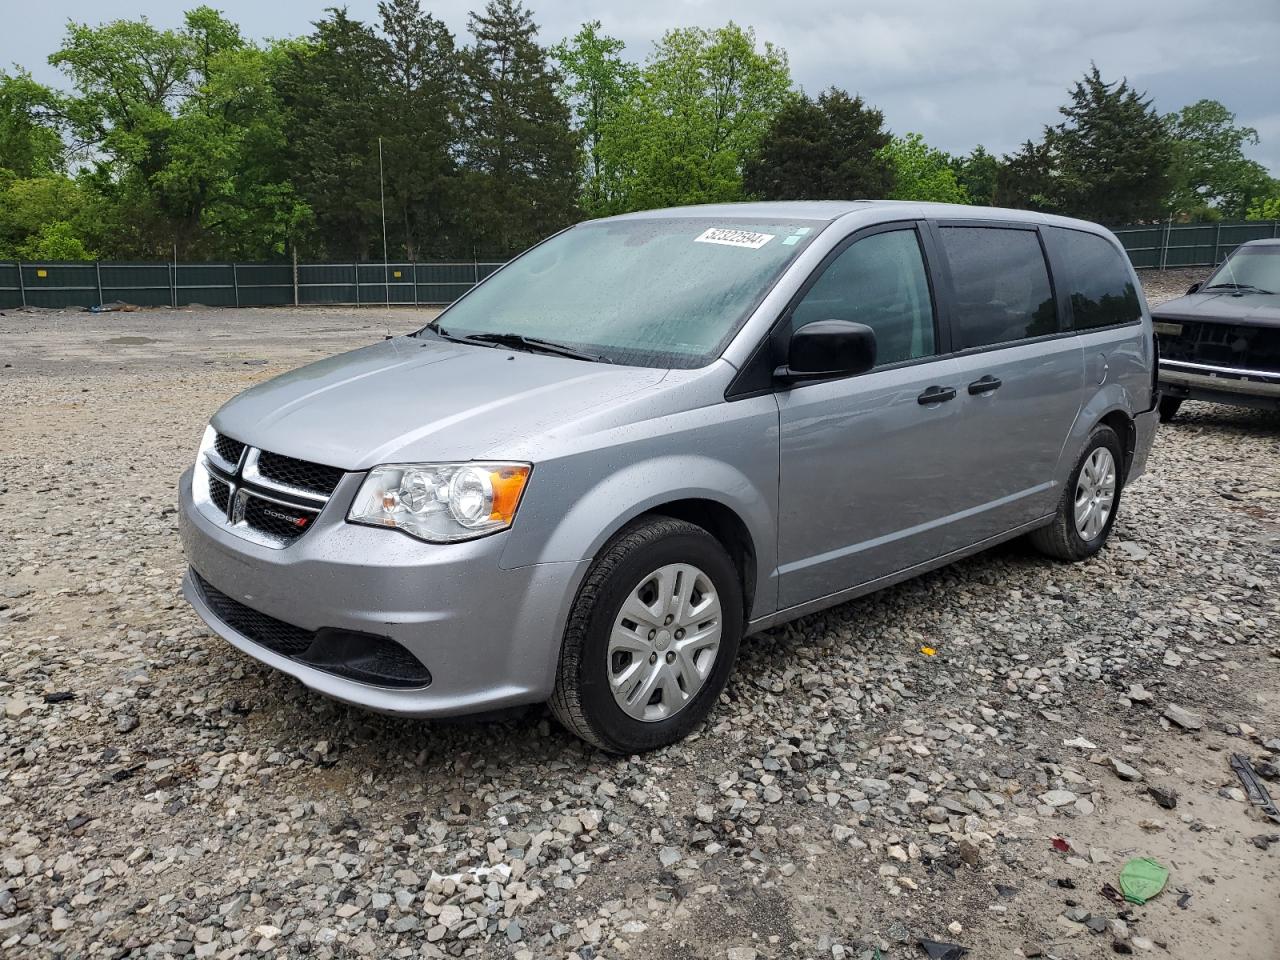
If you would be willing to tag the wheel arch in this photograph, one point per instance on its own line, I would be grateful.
(1120, 421)
(723, 523)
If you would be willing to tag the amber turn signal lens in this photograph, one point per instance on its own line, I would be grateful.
(508, 486)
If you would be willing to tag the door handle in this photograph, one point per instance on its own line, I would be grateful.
(985, 384)
(936, 395)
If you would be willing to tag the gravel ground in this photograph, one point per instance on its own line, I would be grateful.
(160, 794)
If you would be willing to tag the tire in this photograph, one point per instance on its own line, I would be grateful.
(1169, 408)
(1062, 539)
(584, 700)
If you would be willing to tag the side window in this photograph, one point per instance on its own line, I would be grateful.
(1001, 285)
(1098, 280)
(880, 281)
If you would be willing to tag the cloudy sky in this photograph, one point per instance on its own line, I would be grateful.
(978, 71)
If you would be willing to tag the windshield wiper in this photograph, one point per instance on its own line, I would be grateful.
(441, 332)
(533, 344)
(1236, 286)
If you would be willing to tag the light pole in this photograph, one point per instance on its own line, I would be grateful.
(382, 196)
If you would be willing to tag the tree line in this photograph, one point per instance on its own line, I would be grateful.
(200, 142)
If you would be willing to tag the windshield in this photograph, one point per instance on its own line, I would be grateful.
(644, 292)
(1255, 268)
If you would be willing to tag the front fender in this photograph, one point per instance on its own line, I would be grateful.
(625, 493)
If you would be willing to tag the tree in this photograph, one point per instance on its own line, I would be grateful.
(1209, 168)
(596, 81)
(704, 101)
(43, 218)
(824, 149)
(1110, 157)
(921, 172)
(1266, 207)
(978, 174)
(1025, 179)
(30, 142)
(329, 87)
(418, 107)
(519, 151)
(179, 128)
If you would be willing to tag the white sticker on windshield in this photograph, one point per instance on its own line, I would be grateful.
(734, 238)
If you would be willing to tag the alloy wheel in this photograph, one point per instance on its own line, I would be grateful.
(1095, 493)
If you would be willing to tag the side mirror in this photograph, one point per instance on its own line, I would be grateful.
(829, 348)
(1193, 288)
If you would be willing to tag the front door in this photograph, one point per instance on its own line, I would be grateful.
(864, 462)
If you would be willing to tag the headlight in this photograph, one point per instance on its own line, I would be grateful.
(441, 502)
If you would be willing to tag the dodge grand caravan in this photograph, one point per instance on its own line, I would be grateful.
(651, 435)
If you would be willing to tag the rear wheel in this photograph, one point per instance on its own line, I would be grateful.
(1169, 408)
(651, 639)
(1087, 511)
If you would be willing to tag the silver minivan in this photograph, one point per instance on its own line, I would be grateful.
(652, 435)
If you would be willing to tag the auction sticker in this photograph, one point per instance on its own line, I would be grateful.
(734, 238)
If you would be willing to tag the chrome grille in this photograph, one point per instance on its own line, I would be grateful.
(265, 497)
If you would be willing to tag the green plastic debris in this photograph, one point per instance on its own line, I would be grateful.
(1141, 879)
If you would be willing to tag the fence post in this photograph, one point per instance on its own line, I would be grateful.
(1217, 243)
(355, 268)
(97, 269)
(295, 276)
(22, 287)
(173, 288)
(1164, 247)
(235, 282)
(1275, 229)
(414, 267)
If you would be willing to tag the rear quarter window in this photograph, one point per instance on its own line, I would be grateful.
(1097, 277)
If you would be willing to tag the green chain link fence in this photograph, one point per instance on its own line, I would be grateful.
(87, 284)
(1166, 245)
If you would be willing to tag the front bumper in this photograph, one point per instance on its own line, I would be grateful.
(1196, 381)
(489, 636)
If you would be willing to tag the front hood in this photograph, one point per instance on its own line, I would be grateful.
(1255, 309)
(411, 399)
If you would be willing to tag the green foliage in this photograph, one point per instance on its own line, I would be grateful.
(921, 172)
(1107, 161)
(327, 87)
(978, 174)
(521, 156)
(1267, 207)
(1211, 177)
(595, 82)
(181, 132)
(1025, 179)
(824, 149)
(703, 103)
(418, 104)
(56, 240)
(43, 218)
(30, 141)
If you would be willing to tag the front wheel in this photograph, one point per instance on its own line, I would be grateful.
(651, 639)
(1087, 511)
